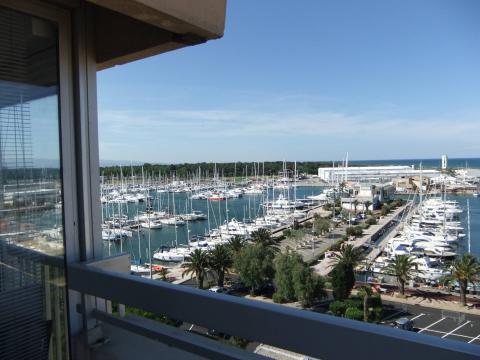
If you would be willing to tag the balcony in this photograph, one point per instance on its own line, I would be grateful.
(312, 334)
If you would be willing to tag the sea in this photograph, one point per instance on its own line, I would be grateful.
(247, 207)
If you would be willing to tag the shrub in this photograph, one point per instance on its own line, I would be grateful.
(354, 231)
(337, 308)
(160, 318)
(354, 302)
(375, 314)
(364, 225)
(376, 300)
(277, 298)
(385, 209)
(239, 342)
(354, 313)
(371, 220)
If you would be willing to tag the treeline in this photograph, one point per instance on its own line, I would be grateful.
(188, 170)
(27, 174)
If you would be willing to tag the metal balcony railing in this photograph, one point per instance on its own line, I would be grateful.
(313, 334)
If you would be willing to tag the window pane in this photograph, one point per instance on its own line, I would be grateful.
(32, 281)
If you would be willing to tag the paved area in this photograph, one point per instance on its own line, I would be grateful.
(325, 266)
(435, 322)
(436, 299)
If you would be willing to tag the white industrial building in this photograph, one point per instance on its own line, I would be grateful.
(372, 173)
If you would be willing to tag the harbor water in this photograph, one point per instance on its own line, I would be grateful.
(246, 207)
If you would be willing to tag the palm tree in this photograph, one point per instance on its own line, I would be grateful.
(348, 255)
(263, 237)
(196, 264)
(365, 292)
(163, 273)
(402, 267)
(236, 244)
(355, 205)
(367, 204)
(465, 269)
(220, 261)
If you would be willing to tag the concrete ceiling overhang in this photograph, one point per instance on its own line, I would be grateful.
(129, 30)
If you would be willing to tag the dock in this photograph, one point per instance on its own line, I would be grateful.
(369, 238)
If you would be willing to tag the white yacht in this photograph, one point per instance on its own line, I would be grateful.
(151, 224)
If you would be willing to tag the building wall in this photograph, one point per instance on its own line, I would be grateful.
(371, 173)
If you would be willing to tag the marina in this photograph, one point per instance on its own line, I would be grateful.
(188, 222)
(163, 222)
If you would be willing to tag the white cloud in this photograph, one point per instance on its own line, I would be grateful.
(247, 123)
(150, 134)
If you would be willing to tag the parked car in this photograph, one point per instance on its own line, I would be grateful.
(404, 324)
(218, 289)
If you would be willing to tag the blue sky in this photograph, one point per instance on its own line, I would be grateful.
(305, 80)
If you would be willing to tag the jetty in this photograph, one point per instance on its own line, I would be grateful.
(385, 228)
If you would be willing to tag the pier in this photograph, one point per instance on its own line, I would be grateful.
(371, 235)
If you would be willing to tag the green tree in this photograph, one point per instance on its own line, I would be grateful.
(197, 264)
(236, 244)
(402, 267)
(283, 280)
(263, 237)
(294, 280)
(465, 269)
(343, 280)
(321, 225)
(343, 276)
(254, 265)
(365, 292)
(220, 261)
(348, 255)
(308, 285)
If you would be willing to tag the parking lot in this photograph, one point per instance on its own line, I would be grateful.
(441, 323)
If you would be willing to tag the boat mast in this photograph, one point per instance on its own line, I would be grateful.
(468, 225)
(208, 216)
(421, 188)
(295, 184)
(138, 235)
(226, 203)
(149, 240)
(174, 219)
